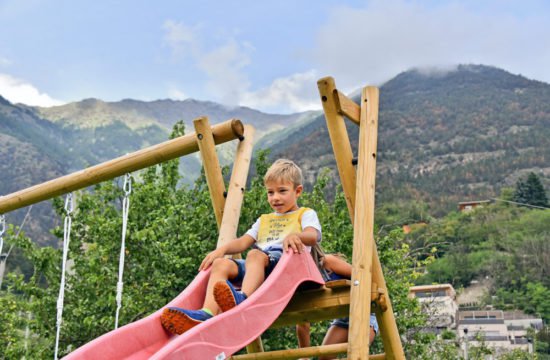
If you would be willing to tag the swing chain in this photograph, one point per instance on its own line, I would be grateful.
(127, 184)
(2, 225)
(67, 224)
(125, 207)
(69, 204)
(2, 231)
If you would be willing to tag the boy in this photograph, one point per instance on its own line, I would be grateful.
(289, 227)
(337, 333)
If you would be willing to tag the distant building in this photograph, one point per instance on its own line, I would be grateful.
(518, 323)
(439, 303)
(501, 331)
(470, 205)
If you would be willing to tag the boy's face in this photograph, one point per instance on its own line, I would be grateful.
(283, 196)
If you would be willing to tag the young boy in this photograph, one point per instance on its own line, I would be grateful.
(337, 333)
(289, 227)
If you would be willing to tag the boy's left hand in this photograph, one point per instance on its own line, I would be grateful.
(294, 242)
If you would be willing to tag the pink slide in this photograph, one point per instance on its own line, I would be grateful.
(217, 338)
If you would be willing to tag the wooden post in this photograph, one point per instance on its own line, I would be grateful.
(237, 184)
(340, 141)
(211, 164)
(233, 203)
(183, 145)
(386, 319)
(363, 235)
(343, 155)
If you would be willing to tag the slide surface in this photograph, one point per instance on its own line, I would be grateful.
(143, 338)
(217, 338)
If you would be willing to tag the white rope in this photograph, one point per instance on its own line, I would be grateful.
(2, 231)
(125, 207)
(66, 238)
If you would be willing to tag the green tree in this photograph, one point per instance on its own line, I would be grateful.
(531, 191)
(170, 229)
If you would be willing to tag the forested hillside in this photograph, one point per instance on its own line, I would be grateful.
(33, 150)
(446, 137)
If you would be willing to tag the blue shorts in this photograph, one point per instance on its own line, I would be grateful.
(344, 322)
(274, 255)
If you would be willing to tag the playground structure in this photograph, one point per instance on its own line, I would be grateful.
(275, 304)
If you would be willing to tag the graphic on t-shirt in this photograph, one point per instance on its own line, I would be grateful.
(275, 227)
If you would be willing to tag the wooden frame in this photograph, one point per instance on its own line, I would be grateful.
(211, 164)
(360, 190)
(183, 145)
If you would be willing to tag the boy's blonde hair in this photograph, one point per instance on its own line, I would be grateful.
(284, 170)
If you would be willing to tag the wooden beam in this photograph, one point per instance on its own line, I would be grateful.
(363, 234)
(315, 305)
(256, 346)
(323, 350)
(340, 140)
(183, 145)
(211, 164)
(235, 190)
(342, 153)
(347, 107)
(326, 350)
(386, 318)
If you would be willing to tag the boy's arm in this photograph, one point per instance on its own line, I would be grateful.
(296, 241)
(234, 246)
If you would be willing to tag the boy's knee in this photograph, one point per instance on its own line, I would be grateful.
(256, 256)
(222, 265)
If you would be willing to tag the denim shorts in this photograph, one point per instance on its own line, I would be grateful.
(344, 323)
(274, 255)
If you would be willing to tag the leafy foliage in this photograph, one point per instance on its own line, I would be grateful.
(170, 229)
(531, 191)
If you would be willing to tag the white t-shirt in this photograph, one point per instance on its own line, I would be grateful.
(309, 219)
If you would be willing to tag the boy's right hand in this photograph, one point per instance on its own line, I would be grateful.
(209, 259)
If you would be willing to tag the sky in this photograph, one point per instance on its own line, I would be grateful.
(265, 55)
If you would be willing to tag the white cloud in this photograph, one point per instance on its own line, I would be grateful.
(297, 92)
(224, 67)
(223, 64)
(176, 94)
(180, 38)
(19, 91)
(374, 43)
(5, 61)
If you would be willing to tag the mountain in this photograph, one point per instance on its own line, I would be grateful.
(40, 144)
(445, 137)
(33, 150)
(91, 113)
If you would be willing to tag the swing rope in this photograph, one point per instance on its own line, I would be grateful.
(2, 231)
(125, 207)
(66, 238)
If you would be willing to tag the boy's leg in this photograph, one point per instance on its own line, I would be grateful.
(334, 335)
(302, 331)
(256, 263)
(338, 334)
(222, 270)
(337, 265)
(178, 320)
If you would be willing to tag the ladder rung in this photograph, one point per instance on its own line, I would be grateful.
(303, 352)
